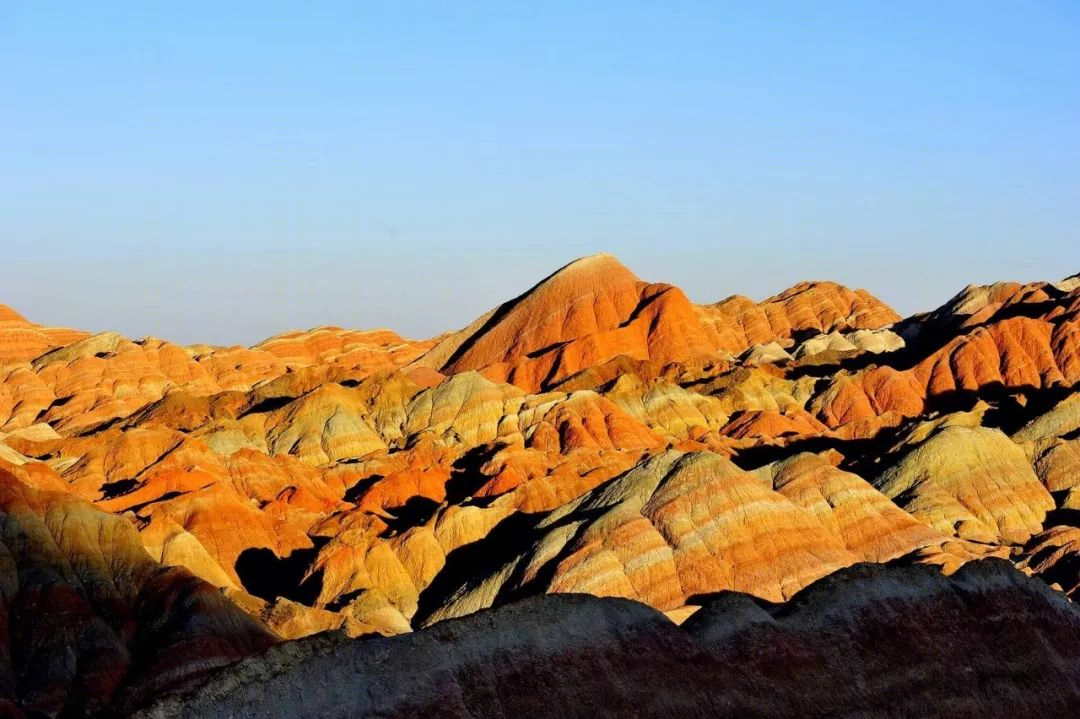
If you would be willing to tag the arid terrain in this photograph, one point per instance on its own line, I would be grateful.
(815, 507)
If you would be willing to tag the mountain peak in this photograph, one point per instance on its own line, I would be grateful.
(592, 261)
(9, 315)
(584, 308)
(602, 266)
(1070, 283)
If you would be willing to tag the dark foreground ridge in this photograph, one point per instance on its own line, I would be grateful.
(89, 623)
(868, 641)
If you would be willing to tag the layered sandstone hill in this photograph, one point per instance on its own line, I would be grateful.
(101, 378)
(866, 642)
(22, 340)
(680, 525)
(595, 309)
(598, 434)
(1005, 339)
(90, 621)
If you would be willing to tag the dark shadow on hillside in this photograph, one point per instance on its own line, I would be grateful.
(58, 402)
(827, 364)
(109, 423)
(267, 405)
(136, 508)
(544, 350)
(496, 317)
(509, 539)
(474, 561)
(1063, 517)
(267, 576)
(643, 304)
(415, 512)
(931, 338)
(1010, 409)
(465, 479)
(1023, 404)
(1065, 572)
(357, 491)
(465, 475)
(861, 456)
(112, 490)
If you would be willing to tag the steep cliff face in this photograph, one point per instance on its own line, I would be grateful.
(868, 641)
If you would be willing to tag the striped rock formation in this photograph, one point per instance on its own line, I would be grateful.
(22, 340)
(973, 483)
(594, 310)
(596, 434)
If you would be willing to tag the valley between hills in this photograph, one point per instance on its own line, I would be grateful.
(597, 499)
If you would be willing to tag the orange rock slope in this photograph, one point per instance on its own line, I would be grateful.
(595, 309)
(91, 622)
(21, 340)
(597, 434)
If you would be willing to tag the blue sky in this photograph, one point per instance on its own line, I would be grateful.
(220, 171)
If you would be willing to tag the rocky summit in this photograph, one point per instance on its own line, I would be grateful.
(600, 498)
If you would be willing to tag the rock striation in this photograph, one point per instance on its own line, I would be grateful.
(171, 509)
(594, 310)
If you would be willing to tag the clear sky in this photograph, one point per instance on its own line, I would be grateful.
(220, 171)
